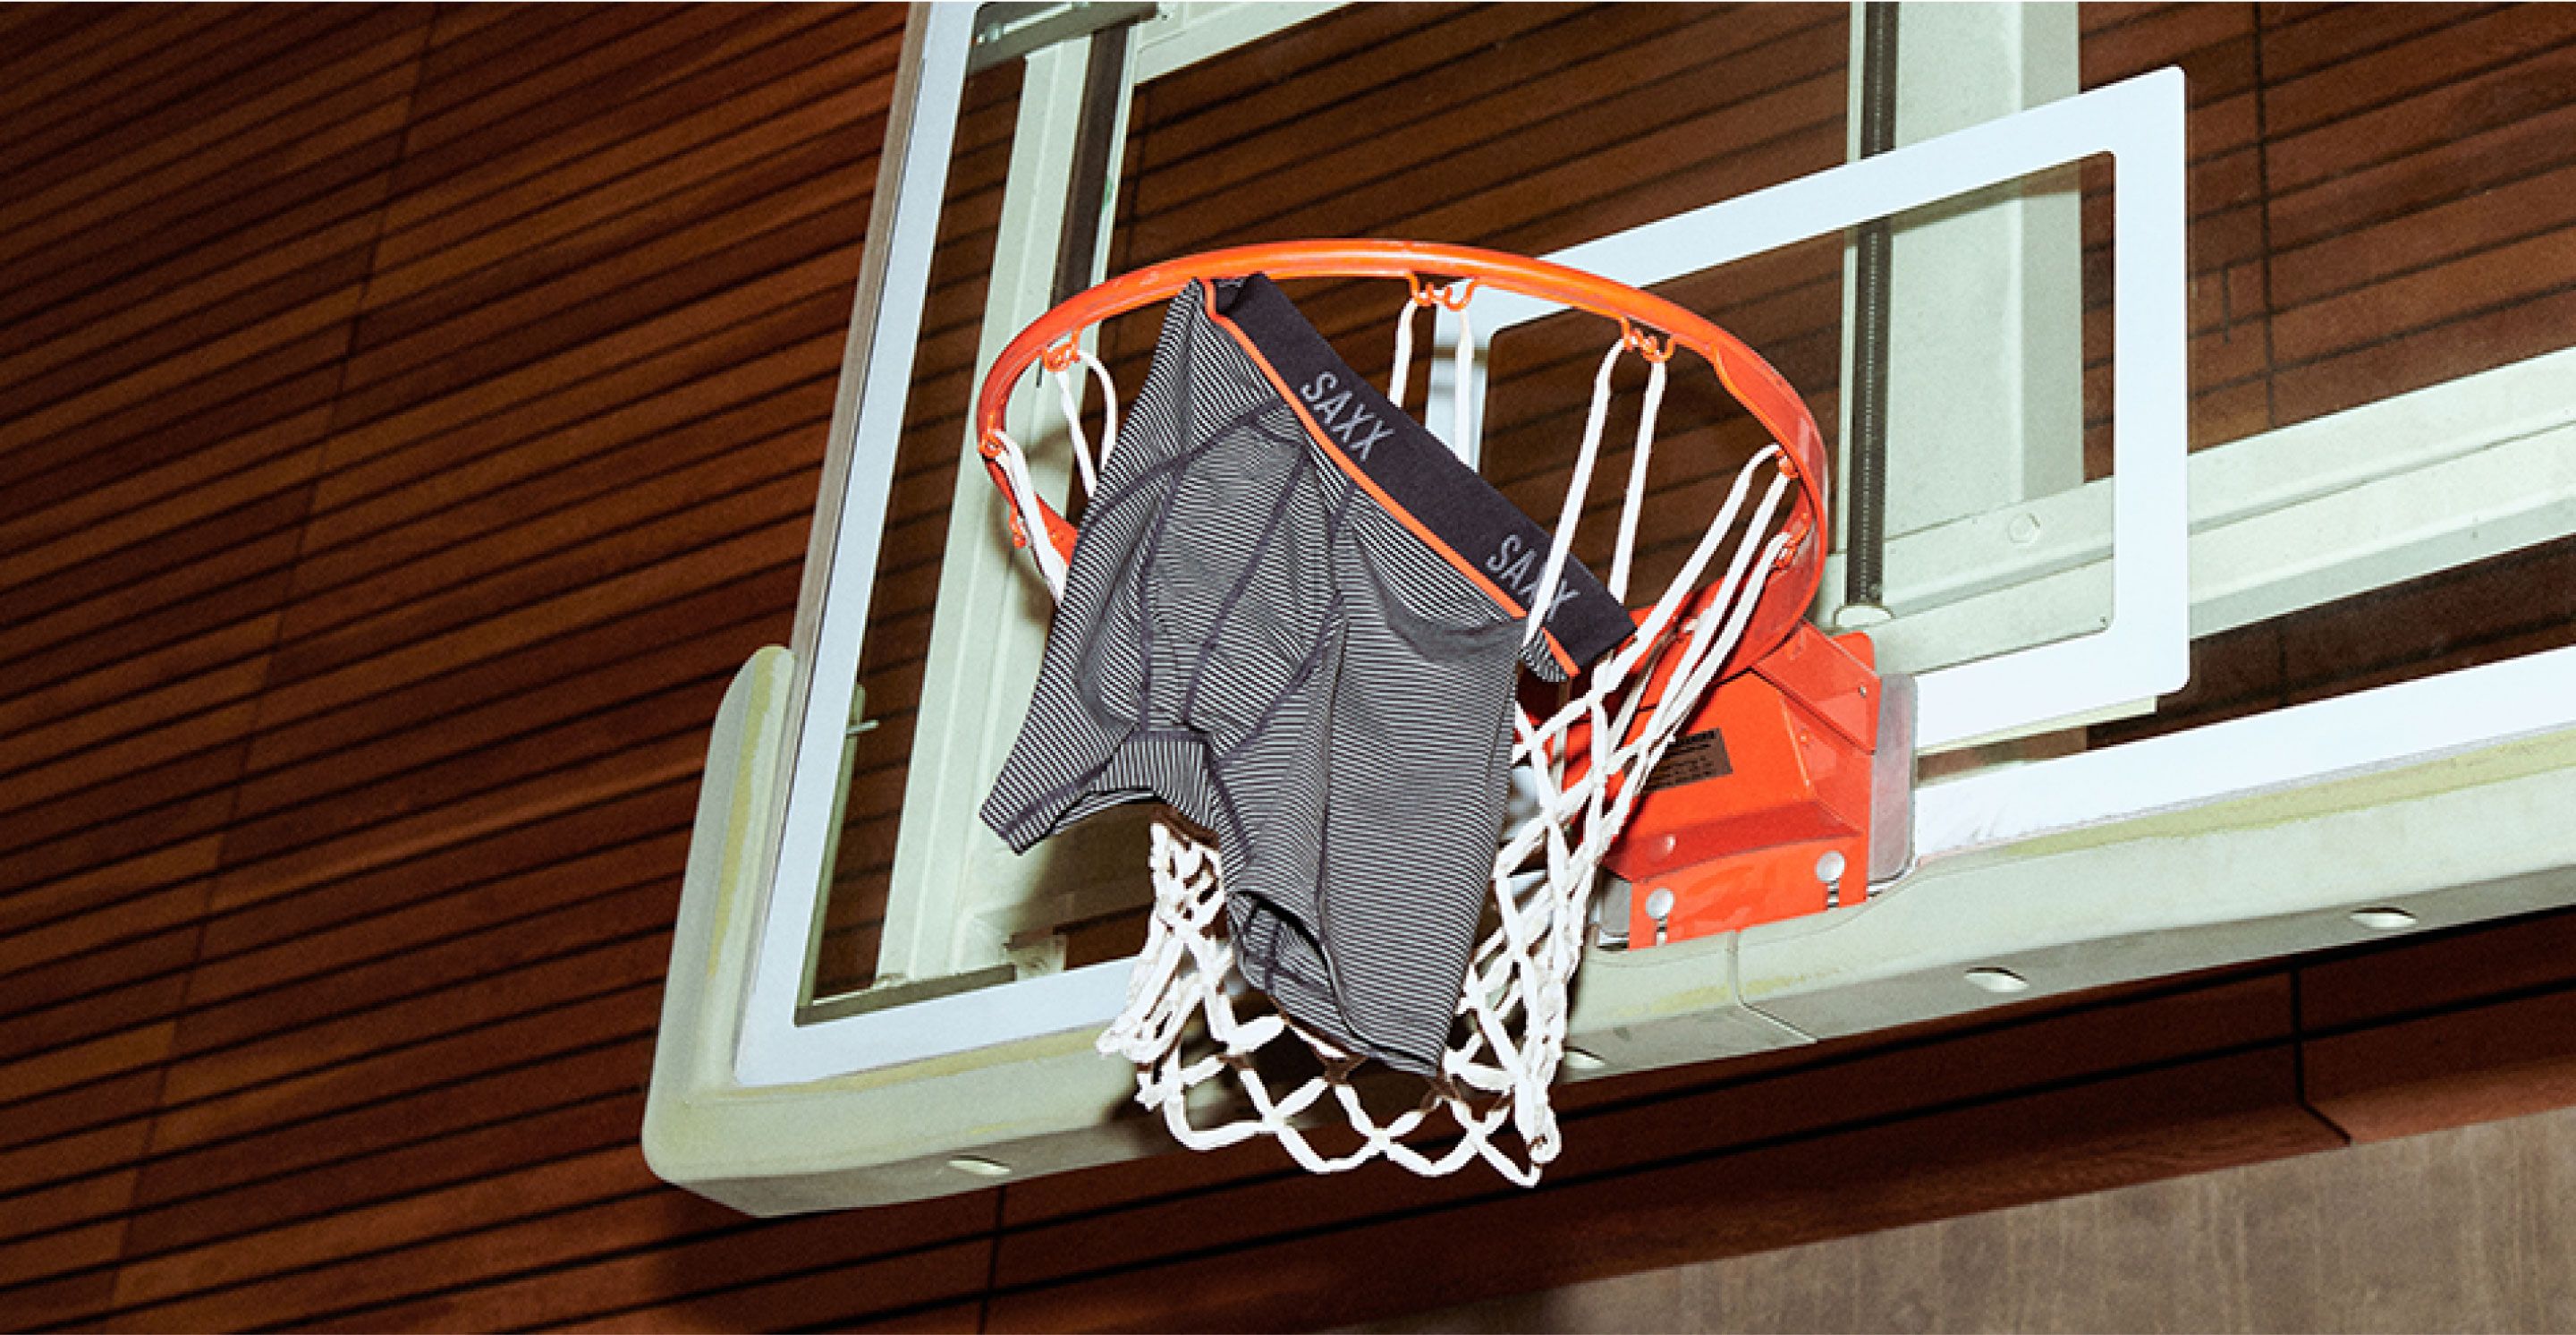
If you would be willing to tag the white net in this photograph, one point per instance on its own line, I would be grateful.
(1197, 1035)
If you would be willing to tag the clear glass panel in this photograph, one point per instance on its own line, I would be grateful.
(860, 869)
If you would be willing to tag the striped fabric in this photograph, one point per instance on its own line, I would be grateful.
(1291, 615)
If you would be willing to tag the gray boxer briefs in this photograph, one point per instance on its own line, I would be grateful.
(1295, 617)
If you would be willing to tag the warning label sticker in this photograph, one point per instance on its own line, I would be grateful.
(1701, 755)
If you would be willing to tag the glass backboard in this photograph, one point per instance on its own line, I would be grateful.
(2228, 467)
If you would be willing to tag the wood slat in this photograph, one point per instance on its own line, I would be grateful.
(158, 61)
(341, 1143)
(2503, 1060)
(497, 681)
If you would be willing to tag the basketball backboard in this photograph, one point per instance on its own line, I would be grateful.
(2084, 507)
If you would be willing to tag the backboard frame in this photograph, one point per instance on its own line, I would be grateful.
(2125, 862)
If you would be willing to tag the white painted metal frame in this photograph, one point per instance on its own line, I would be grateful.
(2143, 650)
(867, 425)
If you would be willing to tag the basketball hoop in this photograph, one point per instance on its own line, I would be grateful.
(1737, 603)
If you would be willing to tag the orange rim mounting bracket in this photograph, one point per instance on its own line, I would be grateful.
(1786, 794)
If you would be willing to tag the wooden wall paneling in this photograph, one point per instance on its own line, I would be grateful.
(63, 1227)
(942, 1318)
(512, 490)
(44, 922)
(2341, 259)
(506, 859)
(612, 373)
(141, 575)
(2447, 618)
(73, 543)
(638, 282)
(56, 55)
(488, 81)
(314, 1068)
(468, 592)
(336, 681)
(1795, 96)
(228, 573)
(591, 954)
(600, 57)
(176, 823)
(317, 1196)
(1721, 1115)
(434, 986)
(2516, 328)
(29, 1079)
(89, 1122)
(486, 696)
(925, 1283)
(340, 1144)
(1312, 67)
(61, 1254)
(445, 913)
(78, 302)
(450, 1243)
(2043, 1143)
(1465, 183)
(2316, 36)
(513, 1044)
(763, 1275)
(475, 48)
(2506, 1059)
(495, 1224)
(91, 1056)
(269, 1172)
(408, 502)
(152, 336)
(360, 117)
(2461, 286)
(2465, 308)
(118, 128)
(2457, 970)
(63, 1000)
(1417, 98)
(300, 863)
(478, 183)
(2120, 41)
(371, 1152)
(509, 738)
(2460, 1230)
(616, 250)
(264, 380)
(472, 645)
(2354, 61)
(657, 393)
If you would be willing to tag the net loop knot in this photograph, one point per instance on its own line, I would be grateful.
(1644, 342)
(1453, 295)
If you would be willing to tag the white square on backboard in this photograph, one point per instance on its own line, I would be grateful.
(2144, 650)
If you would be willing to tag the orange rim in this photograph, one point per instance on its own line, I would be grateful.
(1743, 372)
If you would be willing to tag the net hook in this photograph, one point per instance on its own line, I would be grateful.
(1452, 295)
(1644, 343)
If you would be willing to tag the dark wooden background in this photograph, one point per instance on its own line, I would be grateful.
(408, 419)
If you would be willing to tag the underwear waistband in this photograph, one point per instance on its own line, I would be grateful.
(1488, 537)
